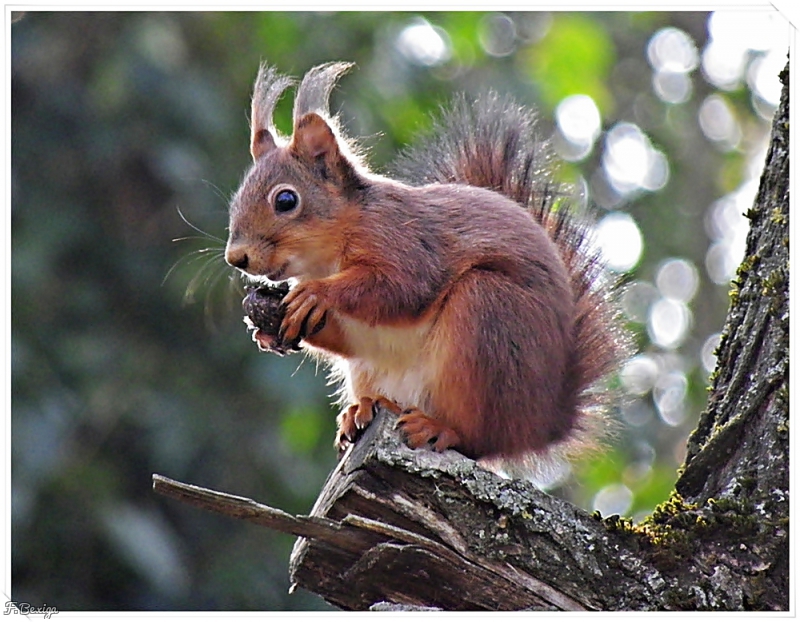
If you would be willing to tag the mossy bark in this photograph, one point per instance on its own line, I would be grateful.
(738, 457)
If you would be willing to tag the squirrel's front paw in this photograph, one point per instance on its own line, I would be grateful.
(420, 430)
(305, 309)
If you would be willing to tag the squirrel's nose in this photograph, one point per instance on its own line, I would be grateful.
(236, 256)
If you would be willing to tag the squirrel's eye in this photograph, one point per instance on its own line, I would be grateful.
(286, 201)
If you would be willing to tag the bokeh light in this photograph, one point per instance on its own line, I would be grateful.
(637, 299)
(497, 34)
(677, 279)
(707, 352)
(637, 413)
(718, 122)
(727, 227)
(639, 374)
(630, 161)
(613, 499)
(762, 76)
(669, 322)
(620, 241)
(734, 34)
(423, 44)
(578, 119)
(671, 49)
(669, 395)
(671, 87)
(673, 54)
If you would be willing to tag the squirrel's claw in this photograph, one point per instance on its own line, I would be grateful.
(346, 429)
(352, 421)
(419, 430)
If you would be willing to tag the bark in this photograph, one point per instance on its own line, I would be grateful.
(395, 528)
(738, 457)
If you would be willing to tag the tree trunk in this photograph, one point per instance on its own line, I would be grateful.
(397, 528)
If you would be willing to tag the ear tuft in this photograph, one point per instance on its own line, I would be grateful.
(315, 89)
(267, 90)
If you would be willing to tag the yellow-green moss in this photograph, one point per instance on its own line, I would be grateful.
(671, 534)
(777, 216)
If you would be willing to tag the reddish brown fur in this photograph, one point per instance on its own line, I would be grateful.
(453, 301)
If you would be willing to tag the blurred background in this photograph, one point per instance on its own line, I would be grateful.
(129, 355)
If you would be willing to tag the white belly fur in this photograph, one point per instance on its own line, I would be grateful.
(394, 361)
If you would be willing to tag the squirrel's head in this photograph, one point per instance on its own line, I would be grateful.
(285, 219)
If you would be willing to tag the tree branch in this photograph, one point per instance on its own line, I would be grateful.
(422, 528)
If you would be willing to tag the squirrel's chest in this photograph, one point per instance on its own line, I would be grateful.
(391, 361)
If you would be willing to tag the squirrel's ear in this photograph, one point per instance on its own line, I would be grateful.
(313, 137)
(261, 142)
(267, 90)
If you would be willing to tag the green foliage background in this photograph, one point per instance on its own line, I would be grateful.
(129, 355)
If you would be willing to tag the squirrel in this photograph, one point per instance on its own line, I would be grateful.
(460, 292)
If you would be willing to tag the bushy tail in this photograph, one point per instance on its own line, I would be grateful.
(494, 144)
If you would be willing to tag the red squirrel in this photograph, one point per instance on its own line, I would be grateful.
(466, 299)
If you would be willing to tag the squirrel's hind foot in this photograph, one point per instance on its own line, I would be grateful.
(354, 419)
(420, 430)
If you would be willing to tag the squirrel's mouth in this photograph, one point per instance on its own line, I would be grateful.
(278, 274)
(267, 273)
